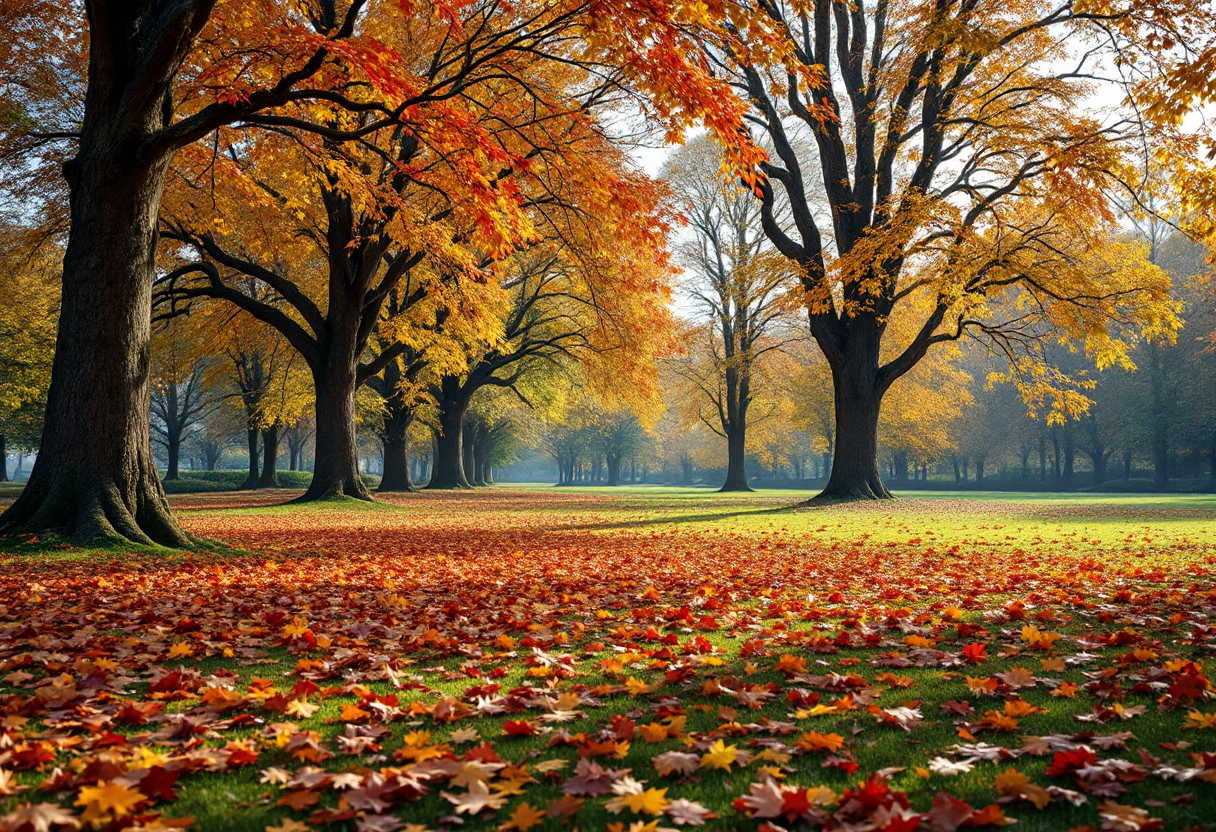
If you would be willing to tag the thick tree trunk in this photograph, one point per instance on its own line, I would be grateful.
(270, 458)
(336, 462)
(855, 466)
(686, 471)
(251, 479)
(1099, 460)
(3, 458)
(396, 475)
(736, 460)
(614, 470)
(979, 470)
(95, 476)
(448, 471)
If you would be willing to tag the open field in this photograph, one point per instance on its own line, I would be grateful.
(651, 657)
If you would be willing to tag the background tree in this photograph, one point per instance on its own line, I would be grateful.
(185, 384)
(149, 93)
(28, 312)
(961, 165)
(739, 293)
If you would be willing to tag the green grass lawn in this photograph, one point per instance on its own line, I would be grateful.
(773, 610)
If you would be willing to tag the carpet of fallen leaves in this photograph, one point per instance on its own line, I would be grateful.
(526, 660)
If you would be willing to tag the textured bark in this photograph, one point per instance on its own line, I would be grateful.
(448, 471)
(3, 458)
(251, 479)
(95, 476)
(336, 467)
(736, 452)
(394, 433)
(858, 399)
(270, 458)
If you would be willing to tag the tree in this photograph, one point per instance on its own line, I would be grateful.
(95, 474)
(28, 307)
(183, 388)
(740, 293)
(960, 166)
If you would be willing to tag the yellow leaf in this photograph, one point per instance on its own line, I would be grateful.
(106, 799)
(523, 818)
(720, 756)
(1196, 719)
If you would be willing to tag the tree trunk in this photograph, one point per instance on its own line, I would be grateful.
(979, 470)
(736, 459)
(270, 458)
(1070, 456)
(251, 479)
(1099, 460)
(3, 459)
(396, 450)
(448, 471)
(336, 462)
(686, 471)
(614, 469)
(858, 400)
(468, 448)
(95, 476)
(173, 450)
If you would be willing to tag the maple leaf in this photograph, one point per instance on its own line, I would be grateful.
(476, 800)
(8, 785)
(648, 802)
(949, 812)
(815, 741)
(719, 756)
(675, 762)
(1197, 720)
(108, 799)
(1119, 818)
(949, 768)
(765, 799)
(688, 813)
(590, 778)
(39, 817)
(523, 818)
(1017, 677)
(301, 708)
(1015, 784)
(289, 825)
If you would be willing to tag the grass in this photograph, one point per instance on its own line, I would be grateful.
(577, 569)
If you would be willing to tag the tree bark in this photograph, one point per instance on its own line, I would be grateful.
(858, 399)
(468, 456)
(336, 462)
(270, 458)
(614, 470)
(448, 471)
(396, 475)
(251, 479)
(3, 458)
(95, 476)
(736, 459)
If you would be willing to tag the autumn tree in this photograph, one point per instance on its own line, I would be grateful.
(160, 76)
(28, 311)
(964, 160)
(739, 292)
